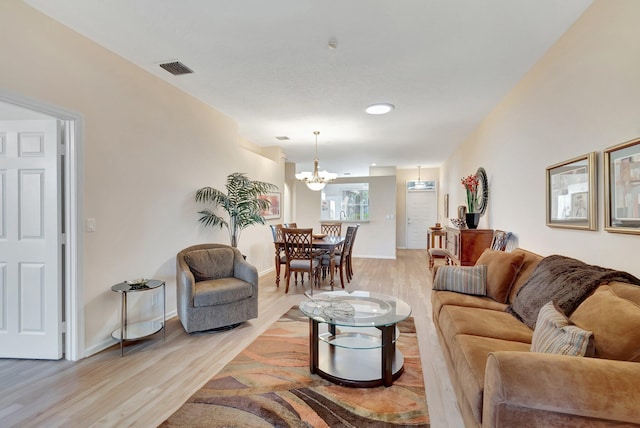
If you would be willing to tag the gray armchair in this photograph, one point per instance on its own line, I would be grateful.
(215, 287)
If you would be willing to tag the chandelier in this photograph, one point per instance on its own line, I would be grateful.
(316, 180)
(419, 185)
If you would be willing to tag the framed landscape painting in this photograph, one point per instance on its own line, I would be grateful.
(622, 187)
(274, 209)
(571, 193)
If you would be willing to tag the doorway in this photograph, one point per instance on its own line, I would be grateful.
(421, 213)
(50, 207)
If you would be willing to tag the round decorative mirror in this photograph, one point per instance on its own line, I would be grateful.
(483, 190)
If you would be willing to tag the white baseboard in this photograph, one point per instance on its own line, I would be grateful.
(266, 271)
(364, 256)
(106, 343)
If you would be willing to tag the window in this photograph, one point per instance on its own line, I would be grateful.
(347, 202)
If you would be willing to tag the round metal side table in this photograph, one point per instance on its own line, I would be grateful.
(138, 330)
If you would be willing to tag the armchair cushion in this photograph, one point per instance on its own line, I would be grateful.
(211, 263)
(221, 292)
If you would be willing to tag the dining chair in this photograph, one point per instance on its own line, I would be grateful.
(331, 229)
(291, 225)
(340, 260)
(280, 256)
(500, 240)
(349, 265)
(300, 256)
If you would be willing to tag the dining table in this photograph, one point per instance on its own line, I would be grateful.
(328, 244)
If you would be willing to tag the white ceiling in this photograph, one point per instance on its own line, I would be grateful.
(444, 64)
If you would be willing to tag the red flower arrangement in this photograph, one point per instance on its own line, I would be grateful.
(470, 184)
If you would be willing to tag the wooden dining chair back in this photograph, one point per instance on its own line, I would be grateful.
(331, 229)
(340, 259)
(291, 225)
(300, 256)
(500, 240)
(278, 244)
(349, 265)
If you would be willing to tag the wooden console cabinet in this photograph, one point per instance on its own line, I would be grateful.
(466, 245)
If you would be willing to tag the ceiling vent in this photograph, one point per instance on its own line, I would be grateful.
(176, 68)
(282, 138)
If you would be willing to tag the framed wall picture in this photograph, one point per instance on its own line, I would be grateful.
(274, 208)
(572, 193)
(622, 187)
(446, 205)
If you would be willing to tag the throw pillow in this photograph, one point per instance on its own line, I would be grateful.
(462, 279)
(555, 334)
(210, 263)
(502, 269)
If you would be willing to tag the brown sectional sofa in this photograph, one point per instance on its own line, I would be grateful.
(500, 383)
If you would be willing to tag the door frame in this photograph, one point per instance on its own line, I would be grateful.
(73, 327)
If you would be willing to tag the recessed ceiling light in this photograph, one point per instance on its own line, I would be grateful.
(381, 108)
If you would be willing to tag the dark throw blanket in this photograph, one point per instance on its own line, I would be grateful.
(565, 281)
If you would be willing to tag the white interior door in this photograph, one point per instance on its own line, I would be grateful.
(421, 214)
(30, 272)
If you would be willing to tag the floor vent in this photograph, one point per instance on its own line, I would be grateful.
(176, 68)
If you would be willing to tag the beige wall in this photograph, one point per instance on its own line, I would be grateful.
(146, 148)
(377, 237)
(581, 97)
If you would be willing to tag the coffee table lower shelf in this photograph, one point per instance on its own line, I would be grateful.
(360, 367)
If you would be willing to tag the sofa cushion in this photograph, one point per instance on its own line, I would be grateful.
(626, 291)
(469, 355)
(212, 263)
(456, 320)
(555, 334)
(615, 323)
(441, 298)
(462, 279)
(529, 264)
(502, 269)
(221, 292)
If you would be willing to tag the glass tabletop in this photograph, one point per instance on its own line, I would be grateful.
(140, 284)
(355, 308)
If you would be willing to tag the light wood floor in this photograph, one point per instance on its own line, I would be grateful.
(154, 377)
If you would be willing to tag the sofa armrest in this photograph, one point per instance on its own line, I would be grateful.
(544, 390)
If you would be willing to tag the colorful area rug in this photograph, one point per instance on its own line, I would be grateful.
(269, 385)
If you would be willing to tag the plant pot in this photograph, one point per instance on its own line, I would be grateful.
(472, 220)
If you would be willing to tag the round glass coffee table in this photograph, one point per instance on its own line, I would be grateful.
(352, 337)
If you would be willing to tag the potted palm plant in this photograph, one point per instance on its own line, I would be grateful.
(242, 203)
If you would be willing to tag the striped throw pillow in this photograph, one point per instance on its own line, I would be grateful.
(462, 279)
(555, 334)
